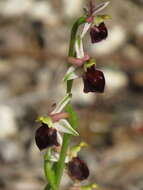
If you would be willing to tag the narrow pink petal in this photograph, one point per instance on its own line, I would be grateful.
(57, 116)
(75, 61)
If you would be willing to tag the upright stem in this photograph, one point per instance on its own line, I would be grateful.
(71, 52)
(66, 138)
(78, 22)
(49, 173)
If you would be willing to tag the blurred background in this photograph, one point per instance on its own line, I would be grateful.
(34, 37)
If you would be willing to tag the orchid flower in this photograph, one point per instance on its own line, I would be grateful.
(95, 22)
(52, 125)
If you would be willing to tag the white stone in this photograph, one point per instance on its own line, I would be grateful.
(132, 52)
(26, 184)
(8, 125)
(4, 93)
(10, 151)
(116, 38)
(15, 7)
(115, 79)
(139, 29)
(72, 8)
(44, 11)
(79, 97)
(35, 154)
(65, 180)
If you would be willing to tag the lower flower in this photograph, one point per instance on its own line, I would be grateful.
(78, 169)
(94, 80)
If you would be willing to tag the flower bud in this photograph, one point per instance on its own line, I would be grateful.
(78, 169)
(46, 137)
(94, 80)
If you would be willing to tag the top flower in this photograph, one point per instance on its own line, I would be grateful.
(95, 23)
(92, 10)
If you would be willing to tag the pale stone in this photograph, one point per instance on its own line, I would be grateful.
(26, 185)
(139, 29)
(115, 80)
(116, 38)
(15, 7)
(11, 151)
(72, 8)
(81, 98)
(43, 11)
(132, 53)
(8, 126)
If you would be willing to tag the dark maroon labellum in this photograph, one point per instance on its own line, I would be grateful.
(46, 137)
(94, 80)
(78, 169)
(98, 33)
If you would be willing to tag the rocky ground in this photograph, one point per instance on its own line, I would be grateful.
(34, 39)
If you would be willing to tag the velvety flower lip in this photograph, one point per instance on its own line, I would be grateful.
(78, 169)
(94, 80)
(98, 33)
(46, 137)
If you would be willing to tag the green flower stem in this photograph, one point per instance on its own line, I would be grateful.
(71, 52)
(79, 21)
(48, 187)
(66, 138)
(49, 173)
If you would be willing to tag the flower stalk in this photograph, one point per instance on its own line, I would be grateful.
(66, 138)
(71, 52)
(49, 173)
(63, 119)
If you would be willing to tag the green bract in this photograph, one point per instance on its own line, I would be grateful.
(62, 103)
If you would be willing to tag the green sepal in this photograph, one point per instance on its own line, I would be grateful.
(75, 149)
(46, 120)
(89, 187)
(100, 18)
(89, 64)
